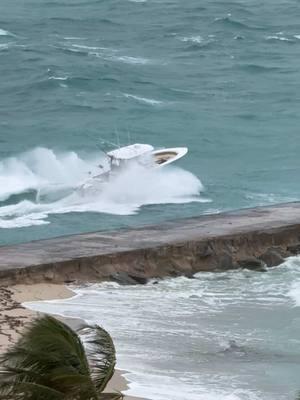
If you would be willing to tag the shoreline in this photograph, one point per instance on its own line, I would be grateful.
(254, 239)
(14, 317)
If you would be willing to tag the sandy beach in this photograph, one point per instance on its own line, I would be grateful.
(14, 317)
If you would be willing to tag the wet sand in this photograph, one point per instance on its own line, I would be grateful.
(14, 317)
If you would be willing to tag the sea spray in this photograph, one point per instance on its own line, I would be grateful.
(41, 168)
(56, 179)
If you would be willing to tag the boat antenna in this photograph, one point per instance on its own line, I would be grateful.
(128, 136)
(104, 141)
(117, 136)
(95, 142)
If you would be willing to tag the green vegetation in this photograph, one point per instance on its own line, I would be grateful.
(49, 362)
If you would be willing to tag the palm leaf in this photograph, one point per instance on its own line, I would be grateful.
(32, 391)
(49, 362)
(44, 359)
(101, 355)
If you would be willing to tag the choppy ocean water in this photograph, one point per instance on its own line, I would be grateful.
(221, 336)
(220, 77)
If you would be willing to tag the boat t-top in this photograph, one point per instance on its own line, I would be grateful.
(142, 154)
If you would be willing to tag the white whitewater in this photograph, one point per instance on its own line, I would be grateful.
(44, 183)
(221, 336)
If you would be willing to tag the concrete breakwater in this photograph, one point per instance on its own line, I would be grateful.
(249, 238)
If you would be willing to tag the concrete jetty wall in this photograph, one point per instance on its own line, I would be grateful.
(249, 238)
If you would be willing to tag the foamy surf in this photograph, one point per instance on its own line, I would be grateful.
(211, 337)
(294, 293)
(51, 182)
(41, 168)
(3, 32)
(293, 263)
(194, 39)
(132, 60)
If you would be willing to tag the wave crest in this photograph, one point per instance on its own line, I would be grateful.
(41, 182)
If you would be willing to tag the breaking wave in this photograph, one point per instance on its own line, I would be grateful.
(105, 53)
(145, 100)
(5, 33)
(194, 39)
(197, 41)
(280, 38)
(212, 337)
(293, 263)
(40, 182)
(131, 60)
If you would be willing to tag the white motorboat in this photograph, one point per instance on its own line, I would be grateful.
(142, 154)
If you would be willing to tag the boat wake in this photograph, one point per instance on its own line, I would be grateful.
(40, 183)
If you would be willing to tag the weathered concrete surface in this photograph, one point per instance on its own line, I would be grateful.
(248, 237)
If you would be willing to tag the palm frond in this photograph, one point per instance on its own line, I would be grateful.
(44, 359)
(28, 390)
(101, 355)
(49, 362)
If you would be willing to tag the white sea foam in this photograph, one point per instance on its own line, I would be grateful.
(294, 293)
(223, 18)
(58, 78)
(280, 38)
(132, 60)
(26, 217)
(16, 177)
(193, 39)
(55, 177)
(198, 40)
(6, 46)
(81, 46)
(293, 263)
(152, 102)
(5, 33)
(214, 335)
(107, 53)
(258, 199)
(73, 50)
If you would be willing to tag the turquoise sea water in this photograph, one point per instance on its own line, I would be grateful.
(220, 77)
(223, 79)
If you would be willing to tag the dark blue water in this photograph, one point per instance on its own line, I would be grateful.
(221, 78)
